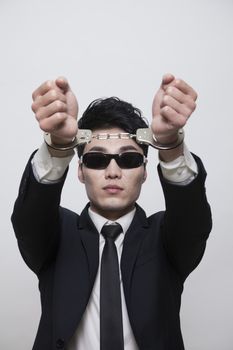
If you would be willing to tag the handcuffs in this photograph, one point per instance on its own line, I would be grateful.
(143, 136)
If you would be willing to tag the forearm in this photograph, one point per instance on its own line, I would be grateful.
(48, 169)
(187, 222)
(181, 170)
(36, 219)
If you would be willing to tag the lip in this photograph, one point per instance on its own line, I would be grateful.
(113, 188)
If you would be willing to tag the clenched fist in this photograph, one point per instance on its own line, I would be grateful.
(172, 106)
(56, 110)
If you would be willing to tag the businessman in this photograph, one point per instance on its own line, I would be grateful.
(111, 278)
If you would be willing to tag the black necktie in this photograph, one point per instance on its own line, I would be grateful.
(111, 329)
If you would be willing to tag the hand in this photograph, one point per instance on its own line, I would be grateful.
(173, 104)
(56, 109)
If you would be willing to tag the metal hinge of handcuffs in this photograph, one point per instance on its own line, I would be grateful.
(142, 136)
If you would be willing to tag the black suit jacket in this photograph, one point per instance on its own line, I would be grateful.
(159, 252)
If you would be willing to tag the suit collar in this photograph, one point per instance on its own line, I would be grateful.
(90, 239)
(99, 221)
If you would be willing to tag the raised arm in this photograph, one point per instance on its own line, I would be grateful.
(187, 220)
(36, 217)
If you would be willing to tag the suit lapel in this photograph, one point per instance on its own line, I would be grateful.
(132, 242)
(74, 277)
(90, 239)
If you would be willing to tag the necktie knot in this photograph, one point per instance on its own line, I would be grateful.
(111, 231)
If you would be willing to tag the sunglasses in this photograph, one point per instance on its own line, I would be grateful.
(126, 160)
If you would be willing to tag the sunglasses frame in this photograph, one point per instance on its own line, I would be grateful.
(109, 156)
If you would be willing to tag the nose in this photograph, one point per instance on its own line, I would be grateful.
(113, 170)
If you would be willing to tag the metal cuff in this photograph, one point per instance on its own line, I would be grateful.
(83, 136)
(146, 136)
(143, 136)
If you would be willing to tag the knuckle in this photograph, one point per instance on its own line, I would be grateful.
(49, 84)
(42, 126)
(38, 115)
(181, 121)
(33, 107)
(59, 105)
(45, 128)
(53, 95)
(33, 95)
(166, 99)
(58, 116)
(186, 111)
(170, 89)
(193, 107)
(166, 110)
(178, 82)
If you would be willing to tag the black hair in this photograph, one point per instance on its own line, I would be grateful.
(112, 112)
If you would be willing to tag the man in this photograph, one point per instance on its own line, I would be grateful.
(88, 300)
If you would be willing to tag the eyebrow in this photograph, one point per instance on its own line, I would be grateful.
(121, 149)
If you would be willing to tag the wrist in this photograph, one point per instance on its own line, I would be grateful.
(167, 139)
(60, 141)
(59, 154)
(172, 154)
(58, 147)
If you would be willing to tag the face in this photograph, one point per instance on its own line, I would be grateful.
(112, 191)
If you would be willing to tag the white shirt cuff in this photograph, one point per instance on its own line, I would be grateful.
(180, 171)
(48, 169)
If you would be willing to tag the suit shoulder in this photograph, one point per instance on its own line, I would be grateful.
(156, 217)
(68, 214)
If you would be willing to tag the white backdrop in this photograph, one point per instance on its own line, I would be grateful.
(121, 48)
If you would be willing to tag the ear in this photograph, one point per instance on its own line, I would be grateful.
(80, 174)
(144, 175)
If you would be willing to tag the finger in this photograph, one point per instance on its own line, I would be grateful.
(178, 107)
(173, 118)
(52, 123)
(63, 84)
(49, 97)
(180, 97)
(43, 89)
(166, 80)
(185, 88)
(52, 108)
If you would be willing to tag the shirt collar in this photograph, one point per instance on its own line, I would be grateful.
(99, 221)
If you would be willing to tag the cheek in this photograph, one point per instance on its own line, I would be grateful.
(134, 181)
(92, 180)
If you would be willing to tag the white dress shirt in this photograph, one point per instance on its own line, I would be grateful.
(48, 170)
(87, 335)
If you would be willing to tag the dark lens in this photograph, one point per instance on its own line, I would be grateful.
(94, 160)
(129, 160)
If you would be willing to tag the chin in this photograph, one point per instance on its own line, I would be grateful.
(112, 208)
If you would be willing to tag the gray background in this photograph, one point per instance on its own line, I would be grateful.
(121, 48)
